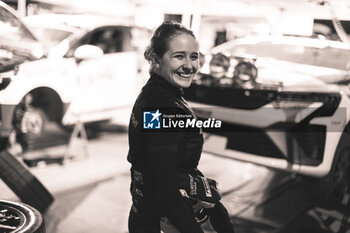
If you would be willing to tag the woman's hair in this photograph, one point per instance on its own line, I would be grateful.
(159, 41)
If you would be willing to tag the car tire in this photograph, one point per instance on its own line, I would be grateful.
(20, 217)
(333, 187)
(3, 143)
(23, 183)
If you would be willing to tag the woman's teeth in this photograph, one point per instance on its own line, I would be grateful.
(183, 75)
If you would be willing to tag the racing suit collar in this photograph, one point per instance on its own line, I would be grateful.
(159, 79)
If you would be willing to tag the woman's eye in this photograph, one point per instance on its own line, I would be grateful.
(179, 56)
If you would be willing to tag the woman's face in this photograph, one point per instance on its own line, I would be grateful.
(180, 62)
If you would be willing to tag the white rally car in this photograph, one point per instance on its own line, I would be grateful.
(82, 68)
(284, 102)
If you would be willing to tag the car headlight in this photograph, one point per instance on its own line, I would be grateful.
(219, 65)
(245, 74)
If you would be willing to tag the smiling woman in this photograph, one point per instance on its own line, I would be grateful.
(176, 61)
(180, 63)
(160, 158)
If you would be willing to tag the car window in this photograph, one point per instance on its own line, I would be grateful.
(292, 53)
(109, 39)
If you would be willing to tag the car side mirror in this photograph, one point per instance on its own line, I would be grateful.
(87, 51)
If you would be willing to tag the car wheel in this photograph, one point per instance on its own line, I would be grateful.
(23, 183)
(332, 188)
(19, 218)
(33, 121)
(29, 124)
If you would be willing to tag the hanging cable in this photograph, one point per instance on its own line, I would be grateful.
(337, 24)
(338, 27)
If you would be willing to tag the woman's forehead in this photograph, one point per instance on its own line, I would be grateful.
(183, 42)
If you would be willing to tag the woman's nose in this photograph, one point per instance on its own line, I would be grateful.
(187, 66)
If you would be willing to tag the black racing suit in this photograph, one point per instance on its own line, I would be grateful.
(157, 157)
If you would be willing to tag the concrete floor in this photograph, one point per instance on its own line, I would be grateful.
(104, 206)
(92, 193)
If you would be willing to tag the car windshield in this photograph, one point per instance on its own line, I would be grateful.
(327, 56)
(13, 31)
(17, 43)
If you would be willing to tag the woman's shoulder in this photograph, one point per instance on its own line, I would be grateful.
(157, 97)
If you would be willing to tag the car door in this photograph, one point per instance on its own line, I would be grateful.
(118, 66)
(105, 84)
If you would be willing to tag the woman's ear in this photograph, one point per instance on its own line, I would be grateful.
(155, 61)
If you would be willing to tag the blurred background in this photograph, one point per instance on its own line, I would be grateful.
(72, 69)
(212, 22)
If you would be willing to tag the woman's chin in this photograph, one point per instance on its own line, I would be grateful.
(183, 83)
